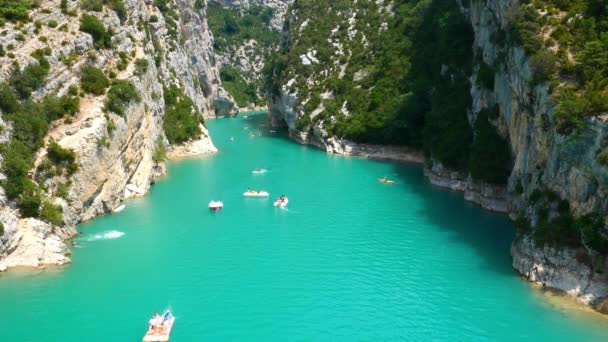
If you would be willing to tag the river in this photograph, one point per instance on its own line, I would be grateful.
(348, 259)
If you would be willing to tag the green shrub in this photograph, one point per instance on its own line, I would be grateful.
(60, 155)
(243, 92)
(91, 25)
(57, 107)
(52, 213)
(160, 151)
(93, 80)
(30, 79)
(30, 200)
(92, 5)
(119, 7)
(53, 23)
(120, 95)
(8, 101)
(602, 158)
(182, 119)
(490, 158)
(141, 66)
(1, 228)
(544, 66)
(14, 10)
(63, 190)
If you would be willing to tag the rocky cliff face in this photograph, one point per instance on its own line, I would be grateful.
(112, 150)
(544, 161)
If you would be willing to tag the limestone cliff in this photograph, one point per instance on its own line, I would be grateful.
(553, 177)
(112, 150)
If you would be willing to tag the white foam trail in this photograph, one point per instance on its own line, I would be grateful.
(112, 234)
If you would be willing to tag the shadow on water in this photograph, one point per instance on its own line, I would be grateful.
(488, 234)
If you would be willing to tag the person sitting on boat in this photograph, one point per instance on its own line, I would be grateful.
(154, 321)
(167, 316)
(282, 198)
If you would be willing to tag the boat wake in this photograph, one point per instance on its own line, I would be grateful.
(112, 234)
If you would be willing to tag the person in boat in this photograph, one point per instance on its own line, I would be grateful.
(154, 321)
(282, 198)
(167, 316)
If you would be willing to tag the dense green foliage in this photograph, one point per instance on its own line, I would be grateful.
(93, 80)
(13, 10)
(490, 158)
(62, 157)
(120, 95)
(51, 213)
(117, 6)
(91, 25)
(160, 151)
(573, 57)
(30, 78)
(242, 91)
(232, 27)
(182, 118)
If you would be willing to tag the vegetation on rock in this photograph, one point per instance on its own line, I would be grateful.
(182, 119)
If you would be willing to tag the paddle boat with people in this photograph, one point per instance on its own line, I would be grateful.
(281, 201)
(386, 180)
(258, 171)
(216, 205)
(159, 328)
(254, 193)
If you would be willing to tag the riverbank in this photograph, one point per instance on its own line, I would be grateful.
(34, 243)
(560, 271)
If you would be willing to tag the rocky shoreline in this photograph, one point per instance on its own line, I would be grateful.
(565, 271)
(35, 243)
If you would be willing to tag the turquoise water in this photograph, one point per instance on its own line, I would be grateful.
(349, 259)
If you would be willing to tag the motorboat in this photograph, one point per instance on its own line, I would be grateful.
(258, 171)
(160, 332)
(253, 193)
(216, 205)
(386, 181)
(119, 208)
(281, 202)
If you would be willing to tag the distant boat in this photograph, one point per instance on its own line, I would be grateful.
(216, 205)
(386, 180)
(272, 131)
(281, 202)
(119, 208)
(161, 332)
(253, 193)
(258, 171)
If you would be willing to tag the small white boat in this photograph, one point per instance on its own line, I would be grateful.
(253, 193)
(161, 332)
(281, 202)
(119, 208)
(258, 171)
(216, 205)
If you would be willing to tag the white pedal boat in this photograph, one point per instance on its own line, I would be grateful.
(216, 205)
(252, 193)
(160, 333)
(119, 208)
(281, 203)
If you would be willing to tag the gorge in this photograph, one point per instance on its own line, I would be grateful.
(504, 100)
